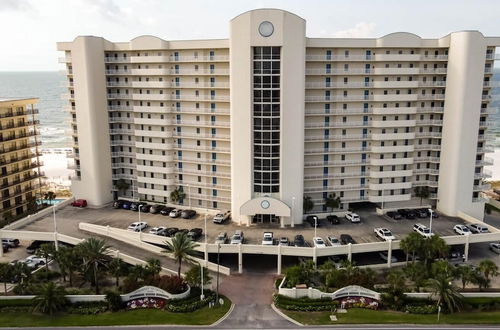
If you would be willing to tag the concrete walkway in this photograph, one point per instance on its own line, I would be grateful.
(252, 295)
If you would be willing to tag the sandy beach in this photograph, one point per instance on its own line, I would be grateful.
(55, 163)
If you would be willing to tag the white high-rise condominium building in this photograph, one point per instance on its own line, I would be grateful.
(258, 122)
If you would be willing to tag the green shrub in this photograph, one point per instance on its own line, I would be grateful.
(304, 304)
(422, 309)
(88, 307)
(44, 276)
(114, 301)
(482, 303)
(15, 303)
(192, 302)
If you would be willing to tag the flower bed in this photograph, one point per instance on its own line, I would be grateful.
(157, 303)
(358, 302)
(304, 304)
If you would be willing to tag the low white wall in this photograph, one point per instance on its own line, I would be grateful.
(470, 219)
(494, 202)
(424, 295)
(33, 217)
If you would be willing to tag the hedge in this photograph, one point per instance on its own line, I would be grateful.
(422, 309)
(304, 304)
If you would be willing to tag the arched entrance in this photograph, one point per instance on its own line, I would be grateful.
(266, 210)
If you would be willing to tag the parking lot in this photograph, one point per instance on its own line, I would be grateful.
(68, 219)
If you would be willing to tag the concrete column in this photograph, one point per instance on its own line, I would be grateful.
(240, 259)
(466, 248)
(1, 247)
(389, 255)
(206, 254)
(117, 254)
(315, 258)
(279, 260)
(349, 252)
(282, 222)
(56, 243)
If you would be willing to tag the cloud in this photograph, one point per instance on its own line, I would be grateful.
(106, 8)
(360, 30)
(15, 5)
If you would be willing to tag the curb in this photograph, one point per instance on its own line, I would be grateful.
(224, 317)
(283, 315)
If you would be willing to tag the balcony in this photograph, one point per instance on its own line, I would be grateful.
(156, 169)
(66, 59)
(155, 157)
(33, 144)
(201, 110)
(13, 137)
(150, 72)
(392, 123)
(390, 161)
(118, 83)
(430, 122)
(335, 163)
(389, 186)
(394, 111)
(392, 149)
(204, 160)
(159, 181)
(121, 131)
(153, 192)
(118, 72)
(119, 96)
(119, 108)
(335, 175)
(151, 97)
(118, 59)
(213, 72)
(149, 59)
(154, 145)
(119, 165)
(202, 136)
(220, 174)
(194, 184)
(122, 120)
(336, 124)
(392, 136)
(200, 123)
(352, 111)
(485, 162)
(313, 189)
(427, 147)
(337, 98)
(485, 149)
(390, 174)
(203, 148)
(428, 183)
(123, 154)
(389, 198)
(427, 159)
(201, 85)
(127, 176)
(377, 57)
(430, 110)
(26, 112)
(482, 187)
(118, 143)
(394, 97)
(484, 175)
(159, 134)
(152, 121)
(214, 58)
(430, 171)
(335, 150)
(345, 137)
(429, 134)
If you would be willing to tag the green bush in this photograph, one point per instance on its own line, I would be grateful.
(421, 309)
(44, 276)
(114, 301)
(304, 304)
(88, 307)
(482, 303)
(75, 291)
(15, 303)
(192, 302)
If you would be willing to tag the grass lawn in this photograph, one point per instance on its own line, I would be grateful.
(366, 316)
(204, 316)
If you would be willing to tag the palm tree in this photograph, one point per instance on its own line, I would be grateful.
(422, 192)
(49, 196)
(411, 244)
(332, 201)
(122, 185)
(417, 273)
(181, 247)
(307, 204)
(46, 251)
(50, 299)
(117, 268)
(153, 267)
(432, 248)
(6, 274)
(466, 274)
(488, 268)
(177, 195)
(443, 289)
(94, 252)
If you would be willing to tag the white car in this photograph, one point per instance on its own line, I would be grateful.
(352, 217)
(267, 239)
(334, 241)
(221, 217)
(477, 228)
(462, 230)
(384, 234)
(137, 226)
(384, 257)
(495, 247)
(221, 238)
(33, 261)
(175, 213)
(422, 230)
(318, 242)
(238, 237)
(158, 230)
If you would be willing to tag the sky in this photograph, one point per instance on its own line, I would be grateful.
(29, 29)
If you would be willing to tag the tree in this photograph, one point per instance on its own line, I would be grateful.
(94, 253)
(153, 267)
(181, 247)
(177, 195)
(394, 296)
(50, 299)
(49, 196)
(332, 201)
(47, 252)
(488, 268)
(417, 273)
(69, 261)
(193, 276)
(122, 185)
(422, 192)
(445, 292)
(6, 274)
(433, 247)
(32, 204)
(114, 300)
(443, 267)
(117, 268)
(466, 274)
(307, 204)
(411, 244)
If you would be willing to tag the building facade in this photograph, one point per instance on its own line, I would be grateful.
(269, 118)
(19, 156)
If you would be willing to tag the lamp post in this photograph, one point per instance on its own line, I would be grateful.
(189, 195)
(56, 244)
(315, 225)
(202, 296)
(140, 225)
(293, 208)
(430, 220)
(218, 261)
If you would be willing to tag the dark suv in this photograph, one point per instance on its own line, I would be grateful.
(333, 219)
(346, 239)
(195, 233)
(299, 241)
(394, 215)
(118, 204)
(312, 219)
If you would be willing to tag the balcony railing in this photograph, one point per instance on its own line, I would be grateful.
(18, 113)
(377, 57)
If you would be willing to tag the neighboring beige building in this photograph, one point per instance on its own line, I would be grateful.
(19, 156)
(257, 122)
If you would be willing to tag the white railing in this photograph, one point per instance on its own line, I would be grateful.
(377, 57)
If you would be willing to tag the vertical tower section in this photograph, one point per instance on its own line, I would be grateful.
(466, 69)
(86, 71)
(267, 49)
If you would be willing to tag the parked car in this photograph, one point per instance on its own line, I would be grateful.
(495, 247)
(394, 215)
(5, 247)
(188, 214)
(118, 204)
(337, 261)
(146, 208)
(267, 239)
(175, 213)
(35, 245)
(461, 230)
(170, 232)
(12, 242)
(352, 217)
(33, 262)
(166, 210)
(333, 219)
(299, 241)
(135, 206)
(318, 242)
(384, 234)
(385, 256)
(79, 203)
(137, 226)
(126, 205)
(222, 217)
(182, 231)
(334, 241)
(455, 255)
(195, 233)
(155, 209)
(313, 221)
(160, 231)
(408, 214)
(284, 241)
(422, 230)
(238, 237)
(346, 239)
(422, 213)
(477, 228)
(221, 238)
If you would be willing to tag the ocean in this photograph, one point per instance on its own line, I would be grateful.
(48, 87)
